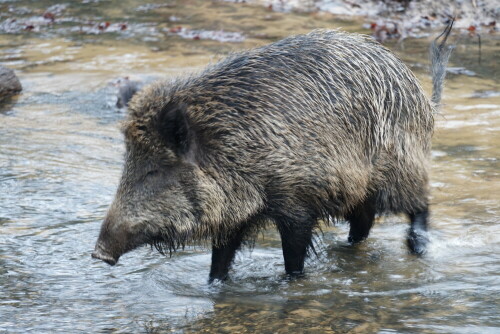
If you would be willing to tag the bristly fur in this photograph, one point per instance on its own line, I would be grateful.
(297, 131)
(340, 101)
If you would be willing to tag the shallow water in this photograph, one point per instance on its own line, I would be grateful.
(60, 161)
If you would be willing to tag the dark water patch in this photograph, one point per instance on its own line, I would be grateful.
(460, 71)
(459, 151)
(480, 94)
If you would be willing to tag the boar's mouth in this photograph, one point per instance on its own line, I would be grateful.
(101, 254)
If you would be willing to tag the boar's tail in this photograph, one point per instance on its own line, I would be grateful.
(439, 54)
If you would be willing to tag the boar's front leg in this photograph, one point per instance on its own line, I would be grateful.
(296, 239)
(223, 251)
(361, 220)
(417, 235)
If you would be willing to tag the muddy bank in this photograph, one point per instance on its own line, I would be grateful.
(158, 22)
(400, 18)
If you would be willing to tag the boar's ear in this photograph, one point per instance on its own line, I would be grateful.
(173, 126)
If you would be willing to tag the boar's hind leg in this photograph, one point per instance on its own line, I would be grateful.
(361, 220)
(417, 235)
(296, 238)
(223, 255)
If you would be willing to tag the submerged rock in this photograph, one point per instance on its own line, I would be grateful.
(9, 83)
(126, 90)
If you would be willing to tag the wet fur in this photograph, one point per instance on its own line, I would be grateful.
(313, 127)
(350, 119)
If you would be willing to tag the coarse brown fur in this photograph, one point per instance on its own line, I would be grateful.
(317, 126)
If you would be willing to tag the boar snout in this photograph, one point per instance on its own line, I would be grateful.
(112, 240)
(101, 254)
(117, 237)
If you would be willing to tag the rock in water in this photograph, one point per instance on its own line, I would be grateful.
(9, 83)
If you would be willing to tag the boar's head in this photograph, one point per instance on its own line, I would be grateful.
(169, 192)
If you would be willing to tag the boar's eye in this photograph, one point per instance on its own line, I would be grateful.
(151, 173)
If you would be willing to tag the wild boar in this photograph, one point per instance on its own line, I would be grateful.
(327, 125)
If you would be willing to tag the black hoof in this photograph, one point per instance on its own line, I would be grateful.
(292, 276)
(216, 281)
(355, 240)
(417, 241)
(219, 278)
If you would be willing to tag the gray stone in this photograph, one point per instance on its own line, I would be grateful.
(9, 83)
